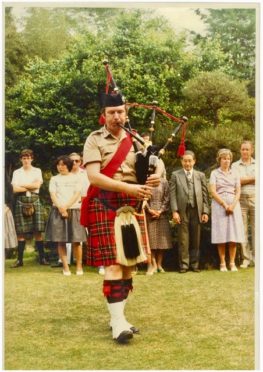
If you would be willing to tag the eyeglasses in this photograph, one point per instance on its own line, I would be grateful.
(76, 161)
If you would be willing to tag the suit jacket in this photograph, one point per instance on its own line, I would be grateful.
(179, 192)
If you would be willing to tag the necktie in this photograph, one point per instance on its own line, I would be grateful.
(188, 175)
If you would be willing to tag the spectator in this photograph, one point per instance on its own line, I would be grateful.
(227, 224)
(63, 224)
(29, 213)
(147, 139)
(246, 168)
(84, 181)
(158, 225)
(190, 208)
(10, 233)
(77, 170)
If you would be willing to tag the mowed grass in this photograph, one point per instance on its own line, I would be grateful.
(193, 321)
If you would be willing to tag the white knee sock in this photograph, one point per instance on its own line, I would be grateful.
(117, 321)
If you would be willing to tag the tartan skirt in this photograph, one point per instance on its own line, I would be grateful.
(29, 224)
(101, 245)
(65, 230)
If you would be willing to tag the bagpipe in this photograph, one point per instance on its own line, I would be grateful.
(146, 156)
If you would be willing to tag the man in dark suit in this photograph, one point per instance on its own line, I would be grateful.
(190, 208)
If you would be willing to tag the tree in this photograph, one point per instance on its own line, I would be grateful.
(221, 114)
(211, 94)
(206, 141)
(236, 30)
(55, 104)
(210, 55)
(15, 50)
(47, 32)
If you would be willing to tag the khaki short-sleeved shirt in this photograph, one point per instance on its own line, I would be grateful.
(101, 145)
(246, 170)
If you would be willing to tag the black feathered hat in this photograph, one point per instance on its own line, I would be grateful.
(111, 100)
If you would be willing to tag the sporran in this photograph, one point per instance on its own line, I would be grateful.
(28, 210)
(128, 237)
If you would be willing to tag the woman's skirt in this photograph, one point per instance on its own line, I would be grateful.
(226, 228)
(65, 230)
(160, 235)
(10, 231)
(29, 224)
(101, 244)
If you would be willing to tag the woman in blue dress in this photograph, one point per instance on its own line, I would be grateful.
(226, 216)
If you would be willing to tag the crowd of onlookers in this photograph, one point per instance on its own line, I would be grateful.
(186, 195)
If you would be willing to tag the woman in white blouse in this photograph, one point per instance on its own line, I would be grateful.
(63, 224)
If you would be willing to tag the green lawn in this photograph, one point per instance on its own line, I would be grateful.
(193, 321)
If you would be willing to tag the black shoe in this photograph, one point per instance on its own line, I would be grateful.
(44, 262)
(17, 264)
(58, 264)
(124, 337)
(134, 329)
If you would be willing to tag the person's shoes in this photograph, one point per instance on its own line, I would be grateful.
(79, 272)
(44, 262)
(124, 337)
(233, 267)
(101, 270)
(134, 329)
(66, 273)
(160, 270)
(195, 269)
(245, 264)
(223, 268)
(182, 271)
(151, 270)
(58, 264)
(17, 264)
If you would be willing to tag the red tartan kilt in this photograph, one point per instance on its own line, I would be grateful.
(101, 246)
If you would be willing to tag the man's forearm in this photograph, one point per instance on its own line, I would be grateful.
(247, 181)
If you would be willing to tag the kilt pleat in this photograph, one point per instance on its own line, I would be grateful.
(29, 224)
(101, 244)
